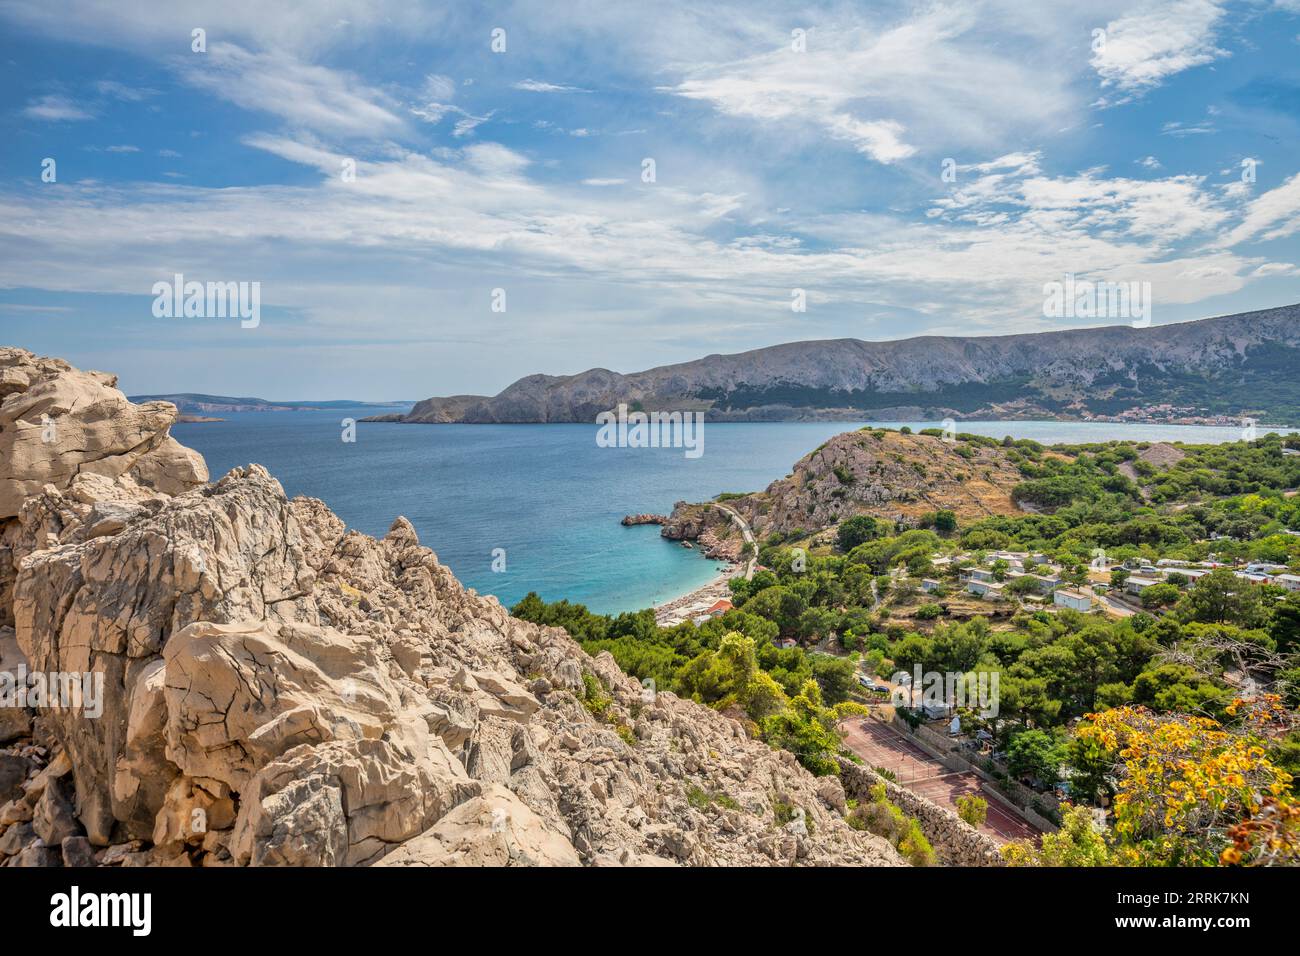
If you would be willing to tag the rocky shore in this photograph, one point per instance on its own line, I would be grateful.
(630, 521)
(275, 690)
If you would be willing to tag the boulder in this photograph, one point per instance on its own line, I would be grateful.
(77, 852)
(15, 721)
(345, 802)
(493, 829)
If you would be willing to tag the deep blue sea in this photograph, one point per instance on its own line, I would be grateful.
(547, 494)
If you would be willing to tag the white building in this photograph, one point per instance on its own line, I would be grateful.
(1068, 597)
(1136, 585)
(989, 590)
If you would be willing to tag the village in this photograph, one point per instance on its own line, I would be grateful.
(1117, 588)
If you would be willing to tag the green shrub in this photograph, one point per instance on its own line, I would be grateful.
(915, 847)
(974, 810)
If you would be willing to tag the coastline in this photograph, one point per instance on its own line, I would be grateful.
(686, 606)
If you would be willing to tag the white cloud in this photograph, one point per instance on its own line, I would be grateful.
(1273, 215)
(1162, 38)
(306, 96)
(892, 88)
(120, 91)
(476, 212)
(1180, 129)
(56, 109)
(468, 123)
(540, 86)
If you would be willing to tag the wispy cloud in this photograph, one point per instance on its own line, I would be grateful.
(539, 86)
(304, 95)
(55, 108)
(1180, 129)
(1273, 215)
(887, 90)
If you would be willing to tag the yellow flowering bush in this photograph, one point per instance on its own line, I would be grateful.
(1185, 785)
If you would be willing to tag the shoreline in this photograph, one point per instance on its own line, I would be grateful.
(686, 606)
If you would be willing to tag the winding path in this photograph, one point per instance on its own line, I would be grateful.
(743, 525)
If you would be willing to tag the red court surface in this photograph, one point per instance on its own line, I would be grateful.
(880, 746)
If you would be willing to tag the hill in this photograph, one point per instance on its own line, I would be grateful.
(1230, 366)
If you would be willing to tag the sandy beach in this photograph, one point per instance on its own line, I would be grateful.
(698, 601)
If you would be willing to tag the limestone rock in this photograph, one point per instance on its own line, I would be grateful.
(240, 695)
(77, 852)
(57, 421)
(14, 721)
(17, 838)
(345, 802)
(493, 829)
(54, 817)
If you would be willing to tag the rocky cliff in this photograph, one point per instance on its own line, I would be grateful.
(1246, 364)
(885, 474)
(279, 690)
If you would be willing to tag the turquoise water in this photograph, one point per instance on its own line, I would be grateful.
(547, 494)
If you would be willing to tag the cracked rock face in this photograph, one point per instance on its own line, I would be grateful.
(57, 422)
(279, 690)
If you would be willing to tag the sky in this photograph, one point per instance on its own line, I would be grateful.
(439, 198)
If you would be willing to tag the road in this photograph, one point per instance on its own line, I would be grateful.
(743, 525)
(1118, 607)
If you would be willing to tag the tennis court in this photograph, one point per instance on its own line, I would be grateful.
(881, 746)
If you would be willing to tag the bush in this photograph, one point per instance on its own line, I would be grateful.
(915, 847)
(974, 810)
(858, 530)
(594, 697)
(883, 819)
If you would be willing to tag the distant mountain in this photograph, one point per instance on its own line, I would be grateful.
(1225, 367)
(191, 403)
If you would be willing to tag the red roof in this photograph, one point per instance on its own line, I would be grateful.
(723, 605)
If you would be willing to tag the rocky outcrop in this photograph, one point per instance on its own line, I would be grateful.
(887, 474)
(643, 518)
(57, 423)
(278, 690)
(73, 431)
(1045, 374)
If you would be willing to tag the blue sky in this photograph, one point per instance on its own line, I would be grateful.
(1114, 155)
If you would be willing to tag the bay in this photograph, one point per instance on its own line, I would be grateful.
(546, 495)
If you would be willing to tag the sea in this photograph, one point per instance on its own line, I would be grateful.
(518, 508)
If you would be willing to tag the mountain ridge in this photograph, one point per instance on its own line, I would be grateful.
(1224, 366)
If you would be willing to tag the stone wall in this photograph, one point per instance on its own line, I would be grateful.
(1017, 797)
(955, 842)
